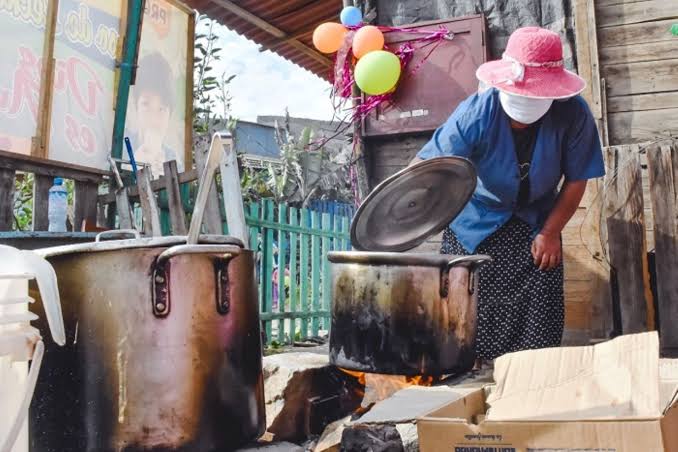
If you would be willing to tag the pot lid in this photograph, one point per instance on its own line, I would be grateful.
(413, 204)
(154, 242)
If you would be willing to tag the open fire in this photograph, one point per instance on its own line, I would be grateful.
(379, 387)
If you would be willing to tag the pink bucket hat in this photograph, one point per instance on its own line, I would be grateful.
(532, 66)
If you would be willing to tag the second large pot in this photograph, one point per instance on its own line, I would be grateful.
(404, 313)
(163, 349)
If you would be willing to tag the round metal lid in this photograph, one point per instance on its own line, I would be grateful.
(410, 206)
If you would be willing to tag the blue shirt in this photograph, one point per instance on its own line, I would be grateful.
(567, 145)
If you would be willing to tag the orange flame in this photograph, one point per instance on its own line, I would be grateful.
(379, 387)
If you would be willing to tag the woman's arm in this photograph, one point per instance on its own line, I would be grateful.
(547, 248)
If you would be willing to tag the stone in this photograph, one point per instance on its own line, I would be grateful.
(371, 438)
(272, 447)
(304, 393)
(331, 437)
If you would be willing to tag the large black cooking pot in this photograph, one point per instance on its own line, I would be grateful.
(163, 349)
(406, 313)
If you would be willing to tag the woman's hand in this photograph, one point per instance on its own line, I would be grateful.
(547, 250)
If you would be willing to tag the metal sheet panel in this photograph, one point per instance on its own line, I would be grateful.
(424, 101)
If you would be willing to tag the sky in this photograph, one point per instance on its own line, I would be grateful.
(266, 83)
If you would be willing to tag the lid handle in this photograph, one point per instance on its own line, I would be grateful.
(114, 232)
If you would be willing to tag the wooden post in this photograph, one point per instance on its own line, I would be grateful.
(40, 142)
(85, 204)
(6, 199)
(176, 207)
(661, 161)
(230, 186)
(626, 235)
(149, 205)
(125, 220)
(41, 186)
(359, 143)
(212, 216)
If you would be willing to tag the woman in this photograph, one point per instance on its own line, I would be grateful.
(524, 133)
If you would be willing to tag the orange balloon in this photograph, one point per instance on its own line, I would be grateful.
(329, 37)
(366, 40)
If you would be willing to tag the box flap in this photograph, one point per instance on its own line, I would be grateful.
(616, 379)
(668, 383)
(419, 402)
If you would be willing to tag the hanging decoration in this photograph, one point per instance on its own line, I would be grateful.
(363, 59)
(351, 16)
(329, 37)
(367, 39)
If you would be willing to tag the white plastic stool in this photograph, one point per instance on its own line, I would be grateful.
(20, 342)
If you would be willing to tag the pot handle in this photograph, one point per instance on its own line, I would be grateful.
(132, 232)
(161, 295)
(179, 250)
(472, 262)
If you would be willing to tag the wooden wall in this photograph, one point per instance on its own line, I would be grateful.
(639, 63)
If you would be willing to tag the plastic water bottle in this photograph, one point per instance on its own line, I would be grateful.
(58, 206)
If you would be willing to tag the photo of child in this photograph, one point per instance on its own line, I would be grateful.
(153, 101)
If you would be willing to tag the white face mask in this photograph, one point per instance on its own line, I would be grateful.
(524, 109)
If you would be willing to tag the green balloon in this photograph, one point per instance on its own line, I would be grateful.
(377, 72)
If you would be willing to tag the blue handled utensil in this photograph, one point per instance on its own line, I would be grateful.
(132, 161)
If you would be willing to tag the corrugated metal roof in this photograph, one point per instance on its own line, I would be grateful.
(282, 26)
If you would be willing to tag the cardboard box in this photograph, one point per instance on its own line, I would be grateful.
(460, 427)
(566, 400)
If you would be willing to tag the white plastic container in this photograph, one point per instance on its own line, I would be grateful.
(20, 342)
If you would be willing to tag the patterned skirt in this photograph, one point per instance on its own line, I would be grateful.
(519, 306)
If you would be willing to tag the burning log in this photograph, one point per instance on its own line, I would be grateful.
(304, 394)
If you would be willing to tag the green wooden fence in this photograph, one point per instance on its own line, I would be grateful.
(294, 302)
(295, 307)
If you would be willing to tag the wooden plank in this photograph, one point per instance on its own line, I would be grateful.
(641, 78)
(156, 184)
(40, 142)
(315, 273)
(615, 2)
(124, 209)
(661, 160)
(304, 272)
(593, 244)
(212, 222)
(643, 102)
(256, 243)
(638, 53)
(587, 53)
(326, 301)
(625, 228)
(642, 126)
(6, 199)
(637, 12)
(176, 207)
(282, 266)
(41, 186)
(84, 204)
(295, 299)
(267, 249)
(231, 190)
(626, 35)
(149, 204)
(35, 165)
(188, 108)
